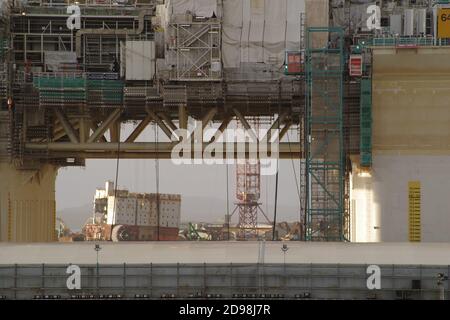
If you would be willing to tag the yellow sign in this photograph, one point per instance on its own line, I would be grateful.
(414, 198)
(443, 19)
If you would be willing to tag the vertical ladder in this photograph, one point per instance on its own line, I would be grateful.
(302, 31)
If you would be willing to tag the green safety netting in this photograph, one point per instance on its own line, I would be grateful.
(79, 88)
(366, 123)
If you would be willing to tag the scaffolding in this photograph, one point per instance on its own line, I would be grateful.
(324, 134)
(3, 72)
(42, 30)
(194, 50)
(79, 89)
(61, 89)
(104, 90)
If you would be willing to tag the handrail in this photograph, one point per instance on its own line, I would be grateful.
(403, 41)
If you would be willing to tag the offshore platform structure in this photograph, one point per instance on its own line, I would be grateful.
(74, 94)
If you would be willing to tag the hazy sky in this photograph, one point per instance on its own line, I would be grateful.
(76, 186)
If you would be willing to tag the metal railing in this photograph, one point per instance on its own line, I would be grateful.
(403, 42)
(94, 3)
(283, 280)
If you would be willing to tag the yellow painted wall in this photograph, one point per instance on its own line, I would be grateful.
(317, 16)
(406, 196)
(27, 204)
(411, 101)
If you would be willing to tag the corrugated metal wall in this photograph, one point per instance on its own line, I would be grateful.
(27, 204)
(410, 101)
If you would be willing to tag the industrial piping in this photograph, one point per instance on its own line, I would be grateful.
(139, 30)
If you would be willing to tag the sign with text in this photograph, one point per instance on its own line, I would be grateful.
(443, 19)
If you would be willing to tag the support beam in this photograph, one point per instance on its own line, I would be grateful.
(62, 133)
(105, 125)
(209, 116)
(169, 121)
(83, 129)
(285, 130)
(160, 123)
(66, 125)
(94, 127)
(138, 130)
(221, 129)
(246, 125)
(58, 128)
(148, 150)
(276, 125)
(182, 117)
(114, 131)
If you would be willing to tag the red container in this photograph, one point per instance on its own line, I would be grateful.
(355, 65)
(294, 62)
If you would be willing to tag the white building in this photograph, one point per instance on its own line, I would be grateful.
(141, 209)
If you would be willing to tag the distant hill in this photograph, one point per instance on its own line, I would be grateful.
(75, 218)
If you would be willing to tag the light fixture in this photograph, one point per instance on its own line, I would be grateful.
(364, 173)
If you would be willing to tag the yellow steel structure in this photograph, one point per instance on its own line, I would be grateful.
(27, 204)
(414, 198)
(443, 20)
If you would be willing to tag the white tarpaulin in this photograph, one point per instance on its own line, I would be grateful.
(259, 31)
(54, 59)
(204, 8)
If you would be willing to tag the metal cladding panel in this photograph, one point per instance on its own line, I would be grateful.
(140, 60)
(395, 24)
(121, 211)
(404, 199)
(408, 26)
(27, 204)
(169, 214)
(421, 22)
(143, 212)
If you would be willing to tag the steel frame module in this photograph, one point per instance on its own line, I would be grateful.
(324, 135)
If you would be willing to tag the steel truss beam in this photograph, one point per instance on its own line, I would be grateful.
(80, 144)
(140, 150)
(68, 129)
